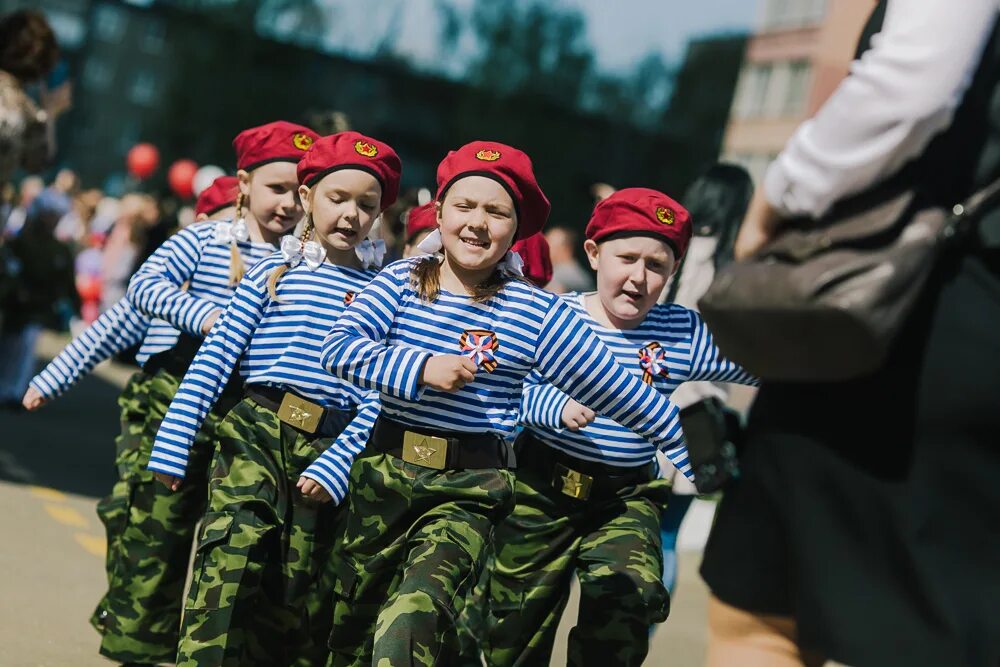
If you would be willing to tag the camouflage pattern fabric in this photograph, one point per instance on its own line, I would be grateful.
(415, 542)
(472, 626)
(261, 589)
(611, 544)
(149, 531)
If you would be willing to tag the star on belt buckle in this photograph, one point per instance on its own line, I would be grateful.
(572, 483)
(300, 413)
(425, 450)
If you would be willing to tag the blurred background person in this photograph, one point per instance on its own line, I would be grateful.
(42, 294)
(717, 202)
(864, 526)
(125, 242)
(28, 52)
(30, 187)
(568, 274)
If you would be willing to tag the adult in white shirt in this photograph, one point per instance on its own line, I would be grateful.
(864, 528)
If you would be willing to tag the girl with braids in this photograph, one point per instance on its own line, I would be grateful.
(150, 530)
(447, 340)
(260, 594)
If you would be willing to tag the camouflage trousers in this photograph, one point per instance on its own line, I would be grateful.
(415, 542)
(612, 544)
(261, 589)
(150, 531)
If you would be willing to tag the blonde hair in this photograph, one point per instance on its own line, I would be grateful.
(272, 280)
(425, 276)
(237, 267)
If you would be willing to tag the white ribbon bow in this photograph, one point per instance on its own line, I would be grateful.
(233, 231)
(371, 253)
(431, 243)
(511, 263)
(294, 251)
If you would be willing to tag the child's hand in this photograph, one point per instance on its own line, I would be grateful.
(32, 399)
(575, 416)
(169, 481)
(312, 489)
(448, 372)
(206, 328)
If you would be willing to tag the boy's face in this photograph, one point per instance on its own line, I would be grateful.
(631, 273)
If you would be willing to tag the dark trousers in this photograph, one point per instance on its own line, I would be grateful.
(868, 509)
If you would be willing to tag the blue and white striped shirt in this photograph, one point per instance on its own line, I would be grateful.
(117, 329)
(383, 341)
(275, 342)
(684, 351)
(192, 256)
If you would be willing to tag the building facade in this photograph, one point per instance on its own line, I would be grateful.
(794, 61)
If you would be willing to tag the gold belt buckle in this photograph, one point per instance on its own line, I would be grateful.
(572, 483)
(425, 450)
(300, 413)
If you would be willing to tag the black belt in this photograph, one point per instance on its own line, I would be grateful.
(177, 360)
(577, 478)
(301, 414)
(441, 450)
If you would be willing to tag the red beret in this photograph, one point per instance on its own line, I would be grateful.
(508, 166)
(279, 141)
(421, 218)
(641, 212)
(534, 250)
(352, 150)
(220, 194)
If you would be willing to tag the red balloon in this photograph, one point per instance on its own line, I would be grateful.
(181, 178)
(142, 160)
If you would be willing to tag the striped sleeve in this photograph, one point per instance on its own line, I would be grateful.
(707, 362)
(117, 329)
(542, 403)
(332, 469)
(355, 349)
(155, 289)
(209, 371)
(576, 361)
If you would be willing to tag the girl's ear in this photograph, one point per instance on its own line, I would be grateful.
(244, 178)
(305, 199)
(593, 252)
(437, 211)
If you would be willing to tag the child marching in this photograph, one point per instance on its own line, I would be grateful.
(259, 593)
(150, 530)
(588, 497)
(447, 341)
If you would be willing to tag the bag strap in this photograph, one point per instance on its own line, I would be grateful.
(978, 201)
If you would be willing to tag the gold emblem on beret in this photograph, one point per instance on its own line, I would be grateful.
(365, 148)
(664, 215)
(302, 141)
(487, 155)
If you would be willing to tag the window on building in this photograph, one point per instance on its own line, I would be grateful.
(781, 14)
(143, 88)
(797, 90)
(753, 90)
(155, 37)
(110, 22)
(97, 73)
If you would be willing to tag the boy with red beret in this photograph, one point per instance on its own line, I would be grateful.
(588, 497)
(447, 340)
